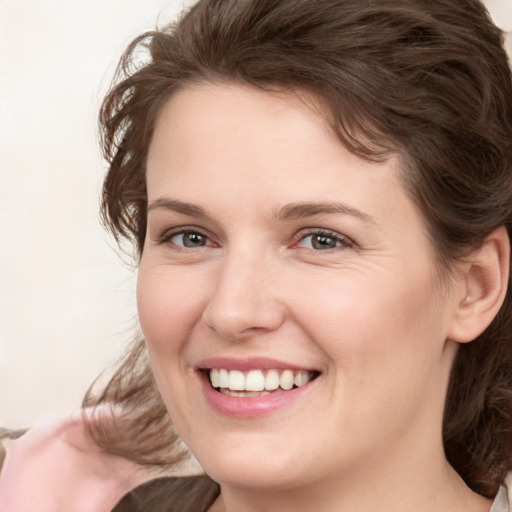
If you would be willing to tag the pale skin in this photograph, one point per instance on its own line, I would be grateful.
(267, 238)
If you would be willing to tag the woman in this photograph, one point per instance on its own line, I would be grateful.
(320, 194)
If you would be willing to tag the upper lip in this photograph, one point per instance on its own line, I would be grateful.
(253, 363)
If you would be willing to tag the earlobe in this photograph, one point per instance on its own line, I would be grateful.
(483, 287)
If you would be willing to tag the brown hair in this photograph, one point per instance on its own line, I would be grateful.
(426, 79)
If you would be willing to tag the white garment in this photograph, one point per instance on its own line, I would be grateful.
(504, 497)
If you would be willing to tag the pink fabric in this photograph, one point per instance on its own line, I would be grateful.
(55, 467)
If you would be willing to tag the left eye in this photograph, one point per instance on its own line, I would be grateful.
(189, 239)
(322, 241)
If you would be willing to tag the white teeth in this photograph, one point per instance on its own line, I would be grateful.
(272, 380)
(223, 379)
(257, 382)
(214, 377)
(243, 393)
(301, 378)
(286, 380)
(236, 380)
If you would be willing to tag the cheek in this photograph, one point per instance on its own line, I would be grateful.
(169, 305)
(384, 342)
(169, 308)
(363, 321)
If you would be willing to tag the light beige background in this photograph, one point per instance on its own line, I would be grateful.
(66, 299)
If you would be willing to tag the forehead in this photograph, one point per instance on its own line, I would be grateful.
(222, 114)
(235, 128)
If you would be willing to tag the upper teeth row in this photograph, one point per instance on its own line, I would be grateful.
(256, 380)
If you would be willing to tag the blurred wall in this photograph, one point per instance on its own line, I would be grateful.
(66, 299)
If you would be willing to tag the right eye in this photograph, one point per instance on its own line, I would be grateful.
(189, 239)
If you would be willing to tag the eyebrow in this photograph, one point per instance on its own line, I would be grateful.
(304, 210)
(177, 206)
(299, 210)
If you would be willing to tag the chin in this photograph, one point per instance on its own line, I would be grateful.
(263, 475)
(252, 465)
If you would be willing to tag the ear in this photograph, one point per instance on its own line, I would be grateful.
(483, 285)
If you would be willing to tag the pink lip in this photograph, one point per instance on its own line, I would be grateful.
(253, 406)
(255, 363)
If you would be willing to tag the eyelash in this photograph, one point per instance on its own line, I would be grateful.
(168, 235)
(343, 241)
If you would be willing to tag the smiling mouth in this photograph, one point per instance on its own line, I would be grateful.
(258, 382)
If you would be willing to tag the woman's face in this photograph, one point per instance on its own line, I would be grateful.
(280, 259)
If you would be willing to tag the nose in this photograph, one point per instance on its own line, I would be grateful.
(244, 300)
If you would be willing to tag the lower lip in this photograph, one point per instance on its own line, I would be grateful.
(250, 406)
